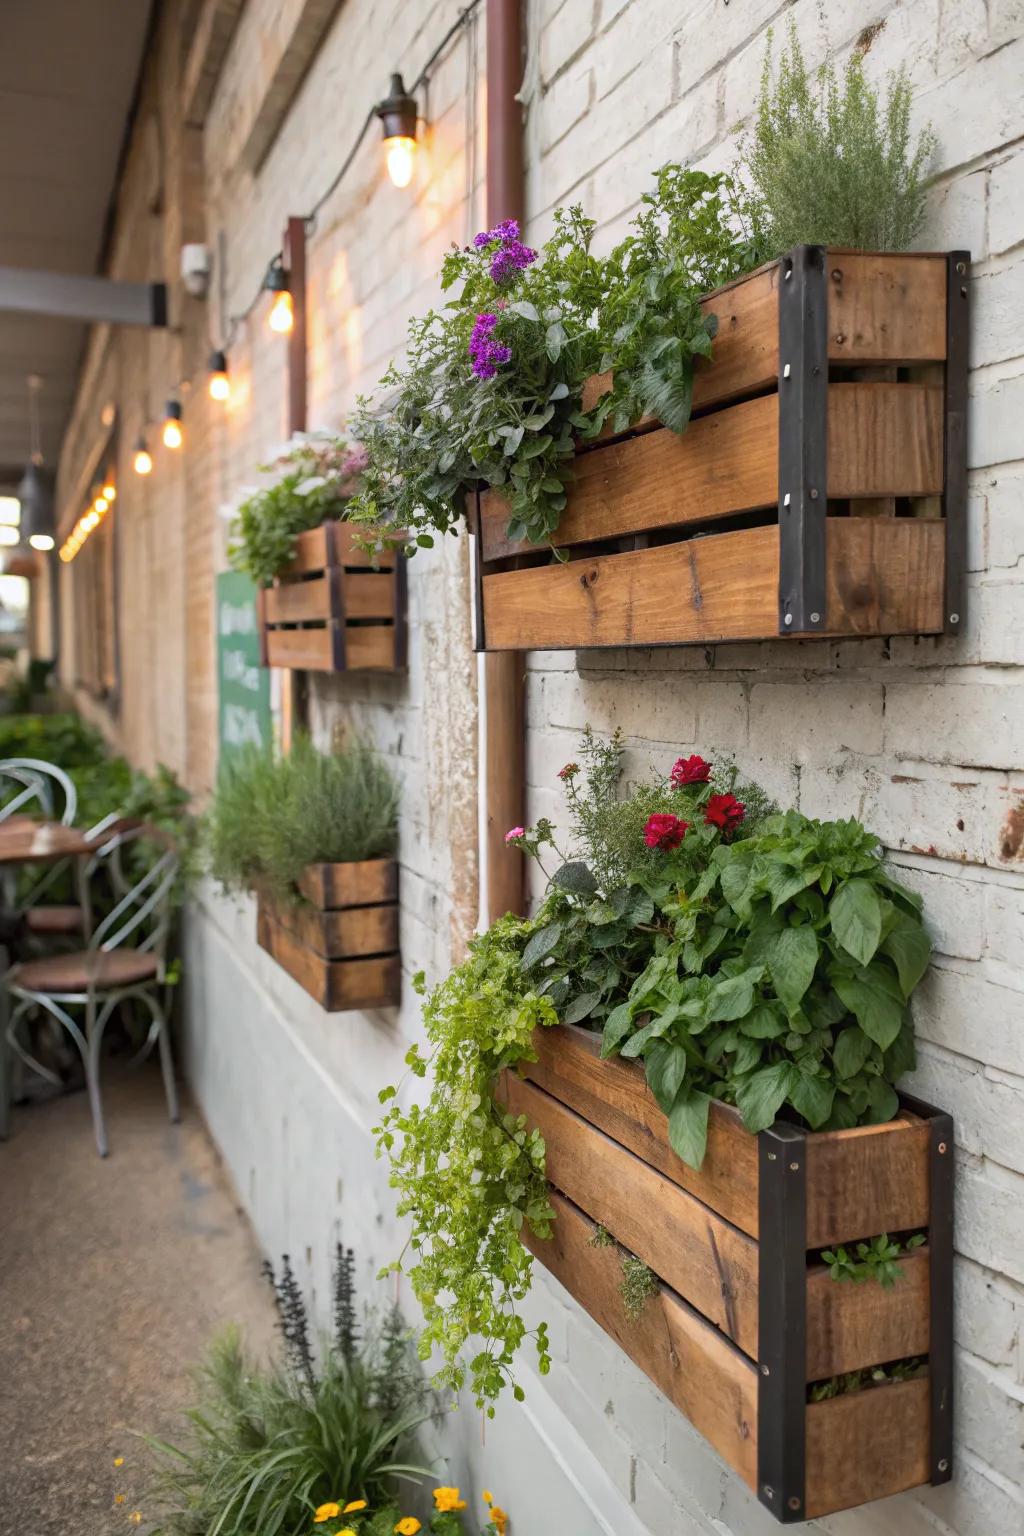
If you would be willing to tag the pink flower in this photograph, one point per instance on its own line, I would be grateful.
(514, 834)
(665, 831)
(690, 770)
(569, 771)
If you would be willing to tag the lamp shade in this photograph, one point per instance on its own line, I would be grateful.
(36, 496)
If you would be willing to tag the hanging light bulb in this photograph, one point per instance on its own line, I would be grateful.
(109, 491)
(397, 113)
(142, 463)
(172, 435)
(219, 385)
(41, 541)
(100, 505)
(282, 311)
(9, 535)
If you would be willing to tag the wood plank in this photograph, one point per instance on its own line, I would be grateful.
(349, 554)
(363, 882)
(697, 1369)
(886, 308)
(884, 440)
(884, 578)
(310, 650)
(302, 965)
(710, 1263)
(369, 648)
(337, 985)
(866, 1445)
(344, 934)
(300, 601)
(370, 595)
(614, 1096)
(851, 1325)
(314, 550)
(868, 1180)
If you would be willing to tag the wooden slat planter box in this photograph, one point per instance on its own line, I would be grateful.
(333, 610)
(341, 942)
(745, 1318)
(820, 488)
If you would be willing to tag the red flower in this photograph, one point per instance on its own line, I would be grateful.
(665, 832)
(724, 811)
(569, 771)
(690, 770)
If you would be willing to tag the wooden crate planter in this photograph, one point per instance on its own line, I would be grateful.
(341, 944)
(743, 1320)
(332, 610)
(820, 488)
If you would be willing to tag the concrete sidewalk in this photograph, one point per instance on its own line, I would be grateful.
(113, 1277)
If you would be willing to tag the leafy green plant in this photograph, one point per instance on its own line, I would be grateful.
(639, 1284)
(828, 164)
(64, 739)
(468, 1175)
(315, 478)
(491, 394)
(272, 815)
(877, 1258)
(267, 1447)
(869, 1377)
(447, 1518)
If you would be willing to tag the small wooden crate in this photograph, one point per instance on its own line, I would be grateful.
(335, 610)
(341, 942)
(820, 488)
(744, 1318)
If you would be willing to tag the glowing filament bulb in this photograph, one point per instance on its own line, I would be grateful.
(142, 462)
(401, 159)
(282, 313)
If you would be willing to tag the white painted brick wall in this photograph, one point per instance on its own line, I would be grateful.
(922, 739)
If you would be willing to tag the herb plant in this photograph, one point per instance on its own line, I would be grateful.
(868, 1377)
(877, 1258)
(828, 164)
(271, 815)
(314, 480)
(639, 1284)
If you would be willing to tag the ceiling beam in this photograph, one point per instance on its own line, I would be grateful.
(209, 49)
(94, 299)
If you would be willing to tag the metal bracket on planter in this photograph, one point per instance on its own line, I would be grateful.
(803, 434)
(954, 500)
(475, 523)
(782, 1321)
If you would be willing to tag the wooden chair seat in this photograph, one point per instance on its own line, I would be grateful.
(50, 922)
(101, 969)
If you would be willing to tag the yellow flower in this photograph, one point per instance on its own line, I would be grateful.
(488, 1496)
(500, 1519)
(446, 1499)
(354, 1504)
(408, 1527)
(118, 1498)
(348, 1531)
(118, 1461)
(326, 1512)
(135, 1517)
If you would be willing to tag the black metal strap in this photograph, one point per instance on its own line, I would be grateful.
(782, 1321)
(803, 482)
(954, 478)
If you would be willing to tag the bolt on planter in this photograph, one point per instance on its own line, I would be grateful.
(744, 1319)
(341, 943)
(333, 609)
(820, 488)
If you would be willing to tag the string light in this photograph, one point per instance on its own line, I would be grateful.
(397, 113)
(172, 435)
(44, 542)
(109, 491)
(8, 534)
(282, 312)
(142, 463)
(219, 385)
(88, 522)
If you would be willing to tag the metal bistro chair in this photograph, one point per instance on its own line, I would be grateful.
(34, 776)
(42, 785)
(110, 971)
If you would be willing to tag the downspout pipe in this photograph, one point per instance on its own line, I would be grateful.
(503, 682)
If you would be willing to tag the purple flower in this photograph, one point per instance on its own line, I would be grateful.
(513, 257)
(508, 229)
(485, 352)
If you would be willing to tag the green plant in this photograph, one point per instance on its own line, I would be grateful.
(639, 1284)
(870, 1376)
(64, 739)
(828, 164)
(600, 1238)
(267, 1447)
(468, 1175)
(315, 479)
(876, 1258)
(272, 815)
(491, 394)
(356, 1519)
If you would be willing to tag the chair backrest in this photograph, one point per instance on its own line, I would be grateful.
(142, 914)
(35, 783)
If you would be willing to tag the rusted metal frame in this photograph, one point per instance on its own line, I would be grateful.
(803, 401)
(954, 495)
(782, 1321)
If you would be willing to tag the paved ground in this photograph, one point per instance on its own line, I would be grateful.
(113, 1275)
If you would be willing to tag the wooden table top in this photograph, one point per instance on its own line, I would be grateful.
(25, 841)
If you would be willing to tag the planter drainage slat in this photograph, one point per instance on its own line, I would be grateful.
(340, 942)
(745, 1317)
(332, 610)
(818, 490)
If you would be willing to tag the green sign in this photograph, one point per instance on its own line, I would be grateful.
(243, 686)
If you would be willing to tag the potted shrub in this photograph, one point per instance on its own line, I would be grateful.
(314, 835)
(326, 605)
(676, 1086)
(819, 487)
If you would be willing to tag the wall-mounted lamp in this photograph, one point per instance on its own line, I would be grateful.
(172, 435)
(282, 311)
(219, 384)
(397, 113)
(142, 463)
